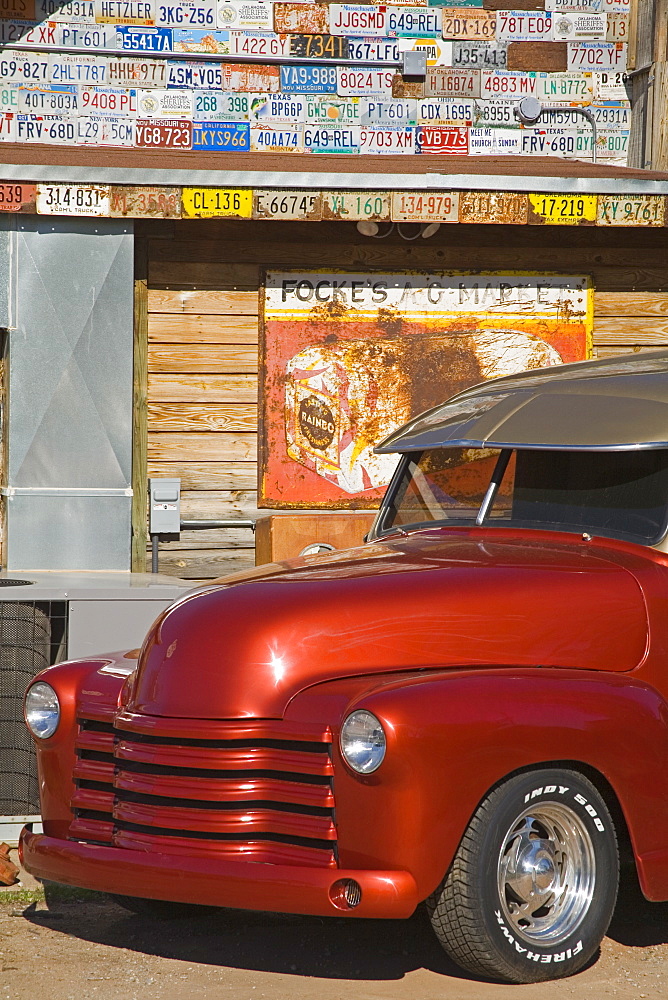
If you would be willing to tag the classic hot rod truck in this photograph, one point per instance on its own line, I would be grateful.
(470, 710)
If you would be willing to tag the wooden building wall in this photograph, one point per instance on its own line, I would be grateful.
(203, 280)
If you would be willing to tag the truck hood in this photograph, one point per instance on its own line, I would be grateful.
(244, 646)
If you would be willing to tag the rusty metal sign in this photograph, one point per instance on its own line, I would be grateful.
(447, 82)
(416, 206)
(497, 207)
(73, 199)
(145, 202)
(562, 210)
(319, 46)
(303, 206)
(639, 210)
(250, 79)
(17, 197)
(18, 10)
(469, 24)
(356, 206)
(301, 18)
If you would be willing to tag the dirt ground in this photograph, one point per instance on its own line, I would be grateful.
(91, 949)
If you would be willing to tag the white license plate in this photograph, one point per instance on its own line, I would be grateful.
(136, 72)
(112, 101)
(9, 98)
(379, 112)
(194, 75)
(612, 143)
(24, 67)
(618, 27)
(572, 26)
(413, 22)
(611, 87)
(106, 132)
(156, 103)
(74, 199)
(75, 10)
(479, 55)
(52, 130)
(357, 20)
(258, 43)
(523, 26)
(444, 82)
(612, 115)
(494, 142)
(506, 83)
(416, 206)
(277, 109)
(67, 68)
(435, 112)
(246, 15)
(48, 100)
(467, 23)
(185, 14)
(332, 111)
(634, 210)
(371, 50)
(27, 33)
(560, 87)
(388, 140)
(124, 11)
(220, 106)
(83, 35)
(597, 56)
(7, 128)
(265, 139)
(569, 5)
(549, 142)
(495, 114)
(287, 205)
(352, 206)
(332, 140)
(359, 82)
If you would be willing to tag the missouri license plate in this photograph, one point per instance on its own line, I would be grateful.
(157, 133)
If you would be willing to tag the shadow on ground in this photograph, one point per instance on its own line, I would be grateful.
(638, 923)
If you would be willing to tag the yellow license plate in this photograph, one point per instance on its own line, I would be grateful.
(211, 203)
(562, 209)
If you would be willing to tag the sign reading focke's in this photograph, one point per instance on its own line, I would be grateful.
(349, 357)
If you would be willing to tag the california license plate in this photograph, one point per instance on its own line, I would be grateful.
(288, 205)
(48, 100)
(136, 38)
(194, 75)
(163, 133)
(443, 139)
(416, 206)
(88, 69)
(231, 137)
(73, 199)
(212, 203)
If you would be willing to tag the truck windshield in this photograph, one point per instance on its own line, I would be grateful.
(622, 494)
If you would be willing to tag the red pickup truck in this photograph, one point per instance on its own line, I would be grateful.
(468, 711)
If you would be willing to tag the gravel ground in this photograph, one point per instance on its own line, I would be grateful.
(90, 949)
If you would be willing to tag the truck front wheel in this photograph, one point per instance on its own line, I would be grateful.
(532, 888)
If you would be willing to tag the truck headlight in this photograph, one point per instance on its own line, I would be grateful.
(42, 710)
(363, 742)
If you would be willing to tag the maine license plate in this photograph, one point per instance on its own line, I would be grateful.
(165, 133)
(506, 83)
(416, 206)
(413, 22)
(636, 210)
(479, 55)
(73, 199)
(562, 209)
(143, 202)
(362, 82)
(74, 69)
(127, 72)
(48, 100)
(332, 140)
(303, 206)
(194, 75)
(476, 25)
(371, 50)
(52, 130)
(400, 139)
(221, 136)
(124, 11)
(82, 35)
(434, 112)
(17, 197)
(524, 26)
(316, 46)
(186, 13)
(443, 139)
(277, 109)
(354, 206)
(560, 87)
(285, 139)
(104, 131)
(220, 106)
(213, 203)
(24, 67)
(379, 112)
(597, 56)
(112, 101)
(493, 113)
(140, 39)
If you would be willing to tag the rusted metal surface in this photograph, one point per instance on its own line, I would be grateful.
(17, 197)
(356, 206)
(251, 79)
(145, 202)
(318, 46)
(618, 26)
(416, 206)
(298, 18)
(9, 872)
(562, 210)
(405, 87)
(548, 57)
(644, 210)
(493, 207)
(305, 206)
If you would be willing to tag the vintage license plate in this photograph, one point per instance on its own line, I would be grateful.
(597, 56)
(304, 206)
(444, 82)
(493, 142)
(9, 98)
(437, 51)
(48, 100)
(318, 46)
(112, 101)
(309, 18)
(277, 109)
(414, 22)
(191, 75)
(453, 139)
(491, 113)
(384, 113)
(24, 67)
(562, 209)
(571, 26)
(186, 14)
(104, 131)
(27, 33)
(578, 5)
(258, 43)
(127, 72)
(246, 16)
(400, 139)
(7, 128)
(479, 55)
(523, 26)
(87, 69)
(17, 197)
(434, 112)
(233, 137)
(371, 50)
(549, 142)
(618, 26)
(616, 5)
(416, 206)
(611, 87)
(362, 82)
(308, 79)
(637, 210)
(145, 202)
(156, 103)
(137, 38)
(337, 140)
(559, 87)
(355, 206)
(163, 133)
(84, 35)
(473, 25)
(359, 20)
(199, 40)
(73, 199)
(125, 11)
(497, 208)
(216, 105)
(19, 10)
(268, 139)
(612, 115)
(611, 143)
(506, 83)
(332, 111)
(254, 79)
(75, 10)
(212, 203)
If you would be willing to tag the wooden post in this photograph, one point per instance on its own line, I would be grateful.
(139, 410)
(659, 158)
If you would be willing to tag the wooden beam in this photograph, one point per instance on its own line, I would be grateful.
(204, 358)
(203, 388)
(238, 477)
(217, 446)
(630, 304)
(631, 330)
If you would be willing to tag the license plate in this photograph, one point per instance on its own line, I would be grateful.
(435, 112)
(8, 128)
(48, 100)
(479, 55)
(611, 87)
(333, 111)
(303, 206)
(18, 9)
(136, 72)
(617, 115)
(416, 206)
(83, 35)
(9, 98)
(52, 130)
(597, 56)
(318, 46)
(194, 75)
(437, 51)
(164, 134)
(104, 131)
(570, 26)
(562, 209)
(27, 33)
(75, 10)
(258, 43)
(636, 210)
(389, 140)
(354, 206)
(612, 5)
(493, 113)
(360, 82)
(611, 143)
(578, 5)
(246, 15)
(494, 142)
(215, 105)
(186, 14)
(444, 82)
(310, 18)
(145, 202)
(549, 142)
(199, 40)
(371, 50)
(388, 112)
(72, 69)
(560, 87)
(357, 20)
(332, 140)
(453, 139)
(506, 83)
(124, 11)
(414, 22)
(139, 39)
(212, 203)
(111, 101)
(24, 67)
(73, 199)
(156, 103)
(496, 208)
(308, 79)
(17, 197)
(277, 109)
(265, 139)
(231, 137)
(474, 25)
(251, 79)
(524, 26)
(618, 27)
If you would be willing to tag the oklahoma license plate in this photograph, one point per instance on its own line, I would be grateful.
(212, 203)
(73, 199)
(445, 82)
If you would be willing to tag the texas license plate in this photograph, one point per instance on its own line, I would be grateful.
(17, 197)
(24, 67)
(163, 134)
(51, 130)
(186, 14)
(548, 142)
(278, 109)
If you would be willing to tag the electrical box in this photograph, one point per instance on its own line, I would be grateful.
(415, 63)
(164, 516)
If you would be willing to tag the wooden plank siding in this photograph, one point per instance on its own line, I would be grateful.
(204, 288)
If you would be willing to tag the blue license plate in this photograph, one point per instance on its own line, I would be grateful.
(138, 39)
(228, 136)
(308, 79)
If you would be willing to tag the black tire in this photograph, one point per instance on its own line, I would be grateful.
(497, 914)
(161, 909)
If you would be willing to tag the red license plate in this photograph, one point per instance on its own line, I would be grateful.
(167, 134)
(433, 139)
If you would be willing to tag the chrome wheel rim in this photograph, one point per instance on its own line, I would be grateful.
(546, 873)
